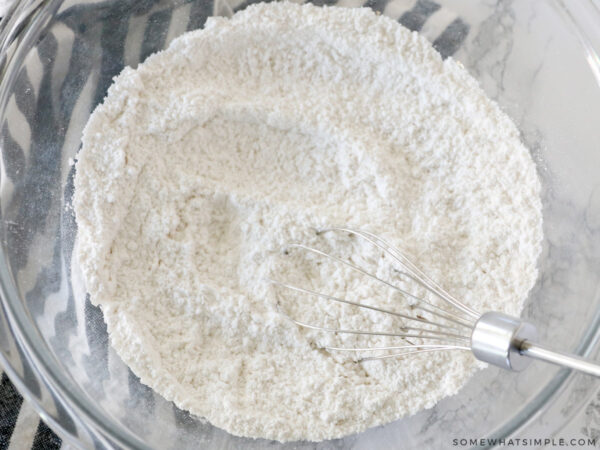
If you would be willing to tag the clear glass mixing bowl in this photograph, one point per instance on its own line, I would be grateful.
(538, 59)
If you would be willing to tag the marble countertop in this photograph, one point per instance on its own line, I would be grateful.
(587, 421)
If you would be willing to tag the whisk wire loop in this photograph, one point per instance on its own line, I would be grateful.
(435, 310)
(492, 337)
(420, 335)
(450, 329)
(365, 306)
(415, 273)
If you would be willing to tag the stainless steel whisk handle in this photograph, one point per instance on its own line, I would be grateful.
(508, 342)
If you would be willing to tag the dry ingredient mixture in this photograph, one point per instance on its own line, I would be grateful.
(211, 156)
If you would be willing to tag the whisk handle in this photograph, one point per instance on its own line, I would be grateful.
(509, 342)
(536, 351)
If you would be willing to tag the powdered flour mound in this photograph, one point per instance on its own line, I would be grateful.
(207, 159)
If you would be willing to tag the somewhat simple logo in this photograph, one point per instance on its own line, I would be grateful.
(524, 442)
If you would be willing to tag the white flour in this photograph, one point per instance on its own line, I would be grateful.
(205, 161)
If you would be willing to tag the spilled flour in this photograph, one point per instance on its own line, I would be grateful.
(205, 161)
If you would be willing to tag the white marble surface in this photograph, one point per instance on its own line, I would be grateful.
(586, 423)
(551, 118)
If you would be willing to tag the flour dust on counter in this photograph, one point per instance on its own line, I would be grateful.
(211, 156)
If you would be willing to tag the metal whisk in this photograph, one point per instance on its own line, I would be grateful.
(493, 337)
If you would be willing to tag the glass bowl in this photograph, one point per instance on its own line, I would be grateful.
(538, 59)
